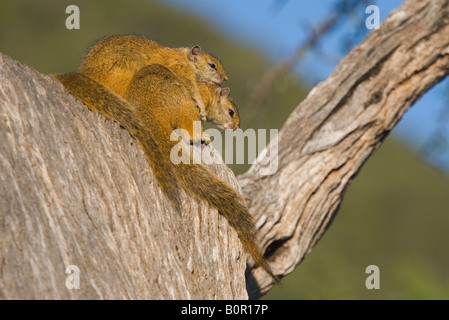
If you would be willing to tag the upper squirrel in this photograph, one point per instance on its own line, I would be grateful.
(113, 61)
(154, 104)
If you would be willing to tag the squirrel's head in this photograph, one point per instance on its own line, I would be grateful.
(220, 107)
(207, 67)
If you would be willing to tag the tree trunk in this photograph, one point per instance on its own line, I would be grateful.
(76, 188)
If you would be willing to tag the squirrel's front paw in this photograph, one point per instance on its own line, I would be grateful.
(205, 138)
(203, 115)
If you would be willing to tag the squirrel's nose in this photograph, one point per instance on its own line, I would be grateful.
(230, 126)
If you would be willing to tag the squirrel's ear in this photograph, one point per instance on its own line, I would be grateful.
(194, 52)
(224, 93)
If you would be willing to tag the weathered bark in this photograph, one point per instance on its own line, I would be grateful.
(76, 189)
(337, 127)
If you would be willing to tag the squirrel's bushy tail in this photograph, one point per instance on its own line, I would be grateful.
(227, 201)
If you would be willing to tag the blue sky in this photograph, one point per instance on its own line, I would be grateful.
(276, 31)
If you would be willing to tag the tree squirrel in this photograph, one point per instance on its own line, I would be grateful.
(114, 60)
(156, 103)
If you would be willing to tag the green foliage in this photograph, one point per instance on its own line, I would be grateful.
(395, 212)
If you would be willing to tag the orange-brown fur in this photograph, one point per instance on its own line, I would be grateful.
(114, 60)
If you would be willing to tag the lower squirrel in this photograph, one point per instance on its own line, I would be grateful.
(113, 61)
(154, 105)
(157, 99)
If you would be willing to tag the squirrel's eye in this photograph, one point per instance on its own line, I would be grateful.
(212, 65)
(231, 112)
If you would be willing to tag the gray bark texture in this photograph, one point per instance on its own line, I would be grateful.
(76, 189)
